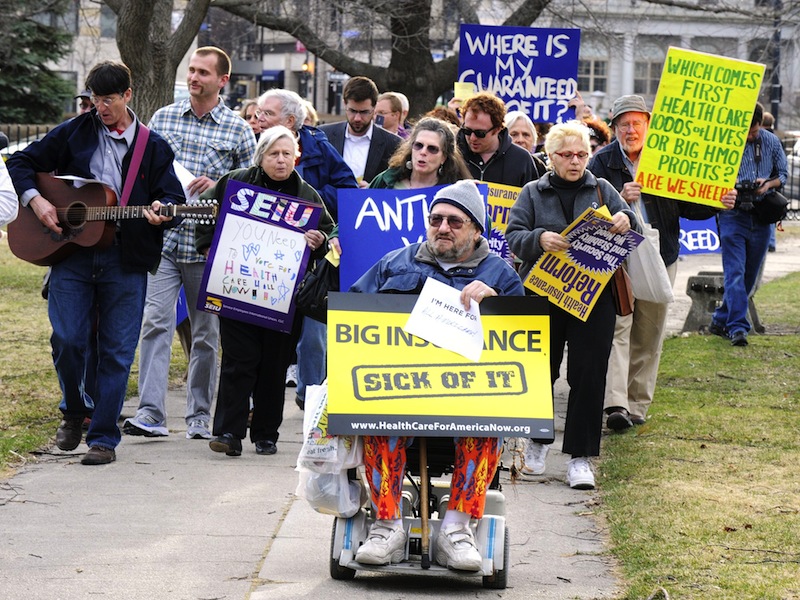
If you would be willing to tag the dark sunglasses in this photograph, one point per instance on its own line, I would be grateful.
(479, 133)
(453, 222)
(430, 148)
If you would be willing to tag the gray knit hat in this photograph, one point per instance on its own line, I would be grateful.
(465, 196)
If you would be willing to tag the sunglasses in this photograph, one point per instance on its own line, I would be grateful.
(430, 148)
(479, 133)
(453, 222)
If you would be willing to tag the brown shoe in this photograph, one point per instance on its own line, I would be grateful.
(97, 455)
(68, 434)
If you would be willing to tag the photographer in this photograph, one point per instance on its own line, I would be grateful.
(744, 239)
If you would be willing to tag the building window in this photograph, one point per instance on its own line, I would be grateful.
(593, 75)
(108, 22)
(646, 76)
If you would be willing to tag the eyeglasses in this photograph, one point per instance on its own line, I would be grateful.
(630, 125)
(479, 133)
(105, 100)
(430, 147)
(571, 155)
(452, 221)
(360, 113)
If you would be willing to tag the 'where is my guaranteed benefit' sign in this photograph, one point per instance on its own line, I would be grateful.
(384, 381)
(533, 70)
(258, 256)
(573, 278)
(699, 125)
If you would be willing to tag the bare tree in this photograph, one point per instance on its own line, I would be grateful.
(408, 25)
(151, 49)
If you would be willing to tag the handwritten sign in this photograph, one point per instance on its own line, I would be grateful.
(573, 279)
(376, 221)
(531, 69)
(258, 256)
(440, 318)
(385, 381)
(699, 125)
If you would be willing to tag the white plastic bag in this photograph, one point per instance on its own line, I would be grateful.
(646, 269)
(331, 493)
(323, 452)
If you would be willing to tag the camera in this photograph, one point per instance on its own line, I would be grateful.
(746, 194)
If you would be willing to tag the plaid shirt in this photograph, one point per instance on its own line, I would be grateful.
(210, 146)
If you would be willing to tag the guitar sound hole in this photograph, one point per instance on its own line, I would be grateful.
(76, 215)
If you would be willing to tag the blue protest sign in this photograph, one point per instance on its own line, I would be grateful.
(531, 69)
(699, 237)
(373, 222)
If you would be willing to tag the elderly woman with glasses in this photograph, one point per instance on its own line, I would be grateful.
(543, 209)
(427, 158)
(255, 359)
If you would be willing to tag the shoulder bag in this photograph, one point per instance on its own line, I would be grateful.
(312, 293)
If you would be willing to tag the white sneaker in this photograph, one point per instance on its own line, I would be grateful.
(534, 458)
(456, 548)
(291, 376)
(385, 544)
(579, 474)
(198, 430)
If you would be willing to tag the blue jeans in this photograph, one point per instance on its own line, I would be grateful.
(312, 355)
(158, 329)
(87, 284)
(744, 246)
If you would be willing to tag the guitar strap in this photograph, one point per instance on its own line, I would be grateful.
(136, 161)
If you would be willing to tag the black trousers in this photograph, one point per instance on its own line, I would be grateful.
(254, 362)
(588, 348)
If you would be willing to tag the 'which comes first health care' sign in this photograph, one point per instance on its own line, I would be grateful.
(258, 256)
(698, 129)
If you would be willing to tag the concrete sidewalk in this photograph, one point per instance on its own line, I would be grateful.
(173, 520)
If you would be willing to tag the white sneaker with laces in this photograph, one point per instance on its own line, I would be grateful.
(534, 458)
(386, 543)
(456, 548)
(579, 474)
(198, 430)
(291, 376)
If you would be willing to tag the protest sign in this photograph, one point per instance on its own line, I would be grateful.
(699, 125)
(376, 221)
(699, 237)
(384, 381)
(500, 199)
(258, 256)
(573, 279)
(532, 70)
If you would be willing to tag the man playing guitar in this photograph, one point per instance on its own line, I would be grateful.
(105, 282)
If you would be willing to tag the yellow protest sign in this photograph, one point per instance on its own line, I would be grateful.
(384, 381)
(574, 278)
(698, 127)
(500, 200)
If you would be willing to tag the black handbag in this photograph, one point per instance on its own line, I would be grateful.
(771, 208)
(312, 293)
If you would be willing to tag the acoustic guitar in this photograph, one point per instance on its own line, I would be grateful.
(87, 216)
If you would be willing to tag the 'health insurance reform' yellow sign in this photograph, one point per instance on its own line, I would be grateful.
(384, 381)
(699, 125)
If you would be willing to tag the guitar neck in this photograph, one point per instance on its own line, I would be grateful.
(117, 213)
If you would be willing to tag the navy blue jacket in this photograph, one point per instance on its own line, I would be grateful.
(68, 149)
(323, 168)
(663, 213)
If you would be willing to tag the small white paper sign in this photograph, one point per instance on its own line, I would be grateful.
(440, 318)
(185, 177)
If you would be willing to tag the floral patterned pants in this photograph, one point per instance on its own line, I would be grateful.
(475, 465)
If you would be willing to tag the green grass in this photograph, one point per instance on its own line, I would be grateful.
(704, 500)
(29, 391)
